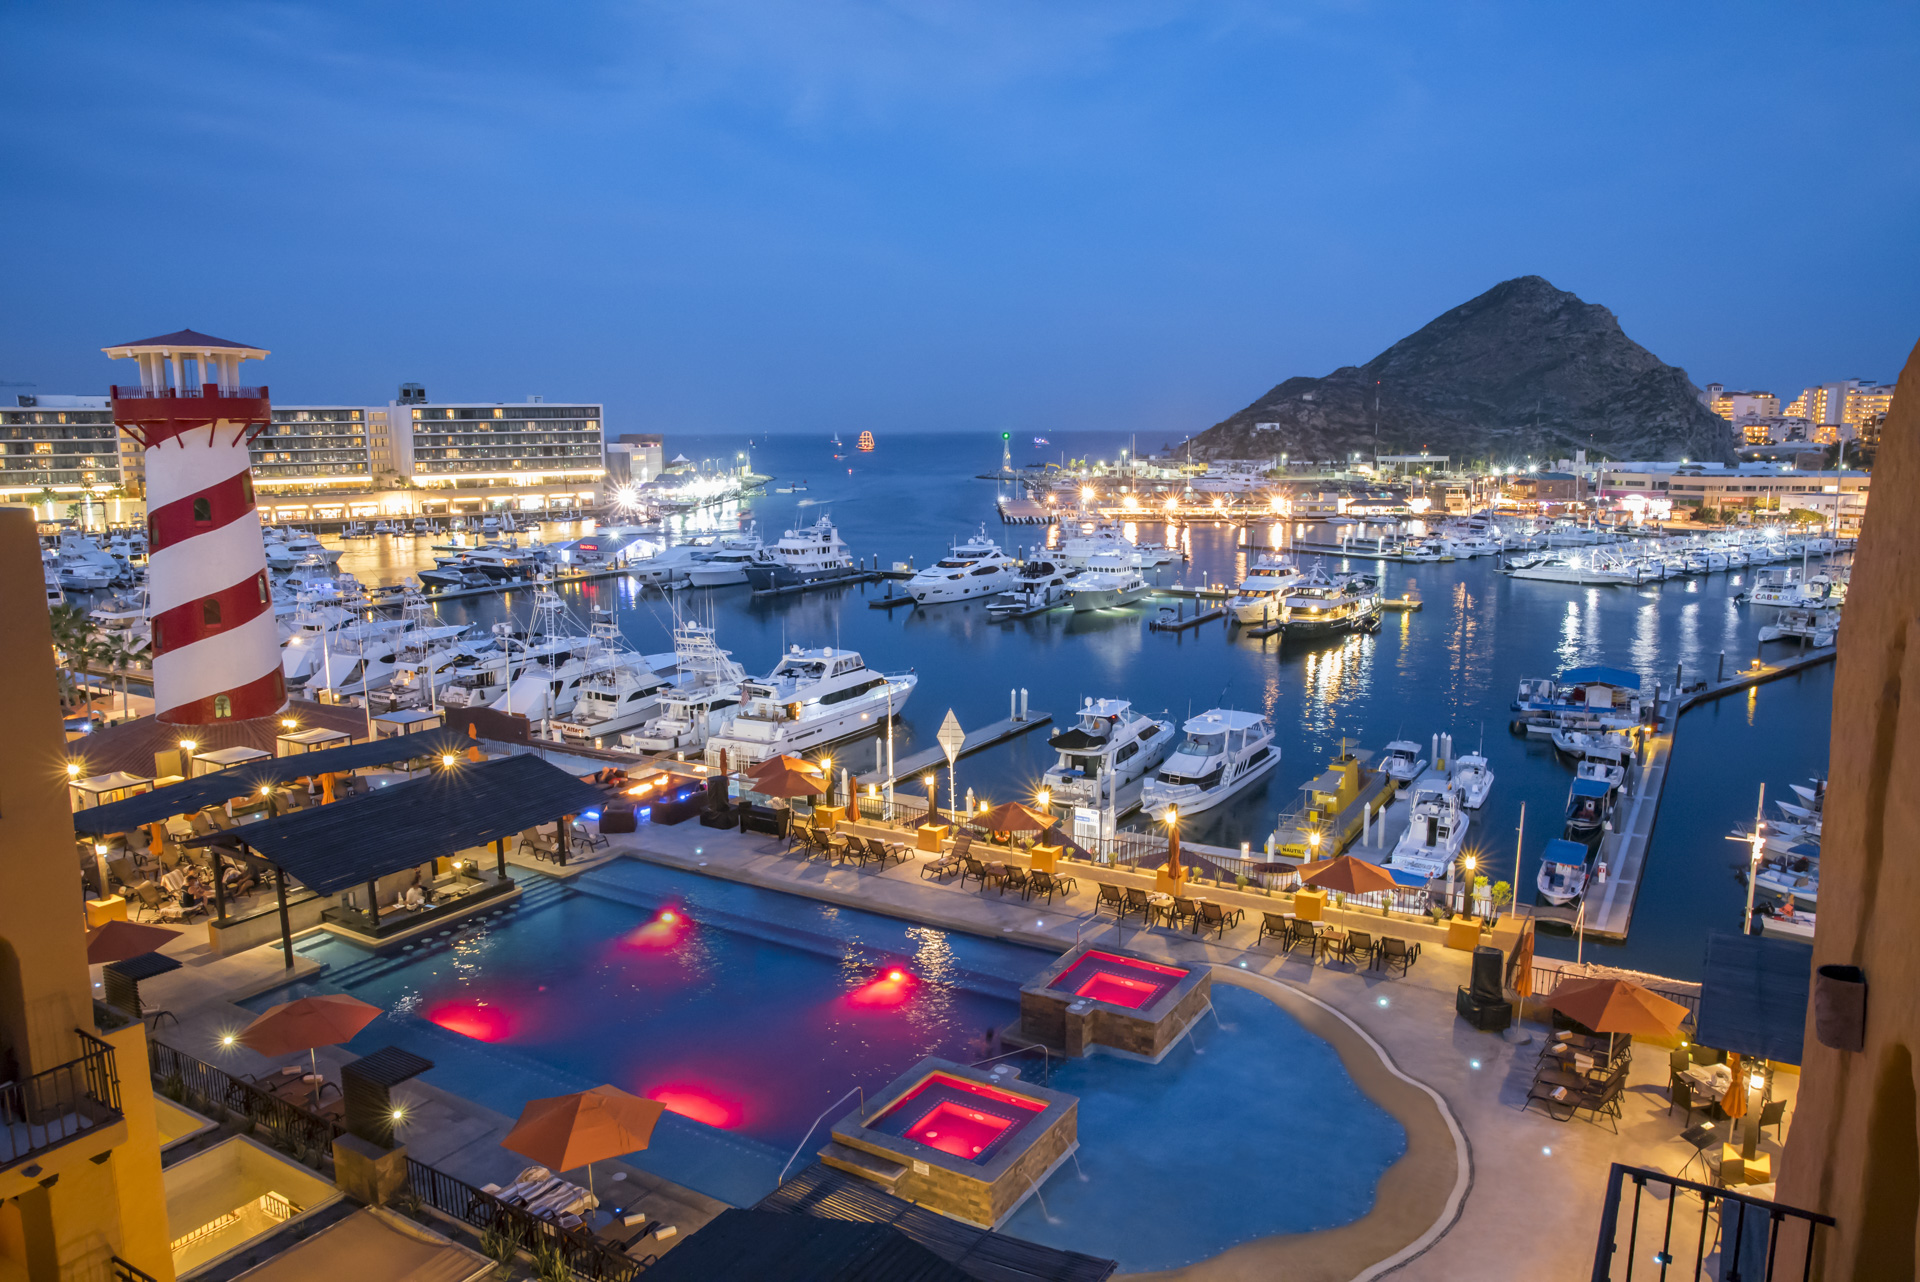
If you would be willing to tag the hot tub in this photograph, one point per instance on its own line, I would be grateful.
(1119, 1001)
(970, 1120)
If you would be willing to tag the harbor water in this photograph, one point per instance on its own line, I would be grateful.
(1452, 667)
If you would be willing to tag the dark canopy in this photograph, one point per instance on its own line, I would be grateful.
(331, 848)
(1753, 996)
(191, 795)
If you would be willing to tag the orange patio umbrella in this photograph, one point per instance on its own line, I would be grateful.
(785, 776)
(1346, 874)
(305, 1024)
(563, 1132)
(1613, 1006)
(1012, 816)
(118, 940)
(157, 839)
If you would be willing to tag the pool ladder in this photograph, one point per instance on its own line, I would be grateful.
(862, 1091)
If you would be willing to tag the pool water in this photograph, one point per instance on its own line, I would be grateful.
(749, 1012)
(1119, 981)
(965, 1119)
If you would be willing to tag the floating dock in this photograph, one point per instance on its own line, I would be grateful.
(1181, 621)
(815, 585)
(934, 757)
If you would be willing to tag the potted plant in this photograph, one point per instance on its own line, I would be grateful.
(1502, 895)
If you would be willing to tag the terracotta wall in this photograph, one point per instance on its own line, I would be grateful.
(1853, 1148)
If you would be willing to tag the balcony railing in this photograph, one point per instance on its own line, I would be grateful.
(1668, 1236)
(124, 1272)
(48, 1109)
(587, 1258)
(188, 393)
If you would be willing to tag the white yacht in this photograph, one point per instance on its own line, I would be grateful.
(803, 556)
(1436, 833)
(811, 698)
(611, 701)
(728, 565)
(1261, 596)
(56, 595)
(1224, 751)
(1320, 604)
(1078, 550)
(1402, 761)
(1569, 569)
(1040, 584)
(1472, 780)
(1816, 626)
(976, 567)
(668, 565)
(1109, 748)
(1563, 871)
(706, 688)
(295, 549)
(1107, 583)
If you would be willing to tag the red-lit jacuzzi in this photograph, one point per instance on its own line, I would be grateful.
(1119, 981)
(958, 1140)
(1119, 1001)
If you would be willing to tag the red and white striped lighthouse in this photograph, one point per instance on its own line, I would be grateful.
(216, 649)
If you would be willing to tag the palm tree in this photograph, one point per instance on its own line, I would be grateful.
(75, 640)
(113, 652)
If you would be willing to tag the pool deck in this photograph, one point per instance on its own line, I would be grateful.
(1488, 1189)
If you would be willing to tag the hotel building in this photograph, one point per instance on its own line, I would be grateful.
(1840, 497)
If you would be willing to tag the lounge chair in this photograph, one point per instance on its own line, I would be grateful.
(1304, 935)
(1397, 954)
(122, 871)
(1137, 902)
(885, 850)
(973, 868)
(584, 836)
(1049, 884)
(1110, 897)
(1215, 918)
(1273, 924)
(962, 844)
(1017, 878)
(1182, 910)
(542, 847)
(941, 867)
(148, 896)
(1359, 945)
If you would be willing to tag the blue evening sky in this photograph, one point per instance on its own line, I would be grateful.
(724, 215)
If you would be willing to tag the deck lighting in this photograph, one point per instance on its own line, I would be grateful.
(447, 759)
(100, 847)
(288, 723)
(927, 779)
(1044, 797)
(399, 1114)
(1756, 1081)
(1086, 494)
(1172, 816)
(266, 790)
(188, 745)
(228, 1039)
(1313, 839)
(73, 770)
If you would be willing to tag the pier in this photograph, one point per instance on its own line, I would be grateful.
(1181, 620)
(813, 585)
(935, 757)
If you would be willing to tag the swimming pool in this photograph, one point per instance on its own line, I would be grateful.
(748, 1012)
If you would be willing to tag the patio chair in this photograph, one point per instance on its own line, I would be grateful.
(1359, 945)
(1304, 935)
(586, 837)
(1048, 884)
(1183, 909)
(1017, 878)
(962, 843)
(971, 867)
(1215, 918)
(1275, 925)
(1774, 1114)
(121, 870)
(1110, 897)
(1398, 954)
(1137, 902)
(885, 850)
(1680, 1096)
(148, 896)
(940, 867)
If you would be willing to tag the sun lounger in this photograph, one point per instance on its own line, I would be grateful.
(1215, 918)
(1110, 897)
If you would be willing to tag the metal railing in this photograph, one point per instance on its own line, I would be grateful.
(187, 393)
(585, 1255)
(1548, 978)
(305, 1131)
(1755, 1240)
(124, 1272)
(46, 1110)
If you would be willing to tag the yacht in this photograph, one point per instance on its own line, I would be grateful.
(1077, 551)
(1595, 745)
(1109, 748)
(295, 549)
(1261, 596)
(1816, 626)
(807, 555)
(615, 700)
(1107, 583)
(668, 565)
(1320, 605)
(1402, 761)
(1568, 569)
(1436, 833)
(1224, 751)
(811, 698)
(976, 567)
(1589, 802)
(706, 688)
(421, 526)
(1472, 780)
(728, 565)
(456, 577)
(56, 595)
(1039, 584)
(1563, 871)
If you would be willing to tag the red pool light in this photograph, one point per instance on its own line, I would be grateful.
(1118, 981)
(893, 987)
(698, 1103)
(479, 1020)
(666, 930)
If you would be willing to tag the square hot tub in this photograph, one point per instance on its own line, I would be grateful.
(1106, 997)
(967, 1143)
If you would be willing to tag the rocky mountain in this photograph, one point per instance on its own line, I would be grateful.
(1524, 369)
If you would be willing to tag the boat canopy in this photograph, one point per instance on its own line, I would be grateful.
(1222, 719)
(1590, 788)
(1601, 676)
(1562, 851)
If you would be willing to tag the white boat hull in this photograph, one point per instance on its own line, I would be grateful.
(1087, 599)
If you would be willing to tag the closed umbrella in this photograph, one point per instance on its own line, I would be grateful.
(1735, 1102)
(119, 940)
(563, 1132)
(306, 1024)
(1346, 874)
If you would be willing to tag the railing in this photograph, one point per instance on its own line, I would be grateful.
(1755, 1240)
(306, 1132)
(124, 1272)
(187, 393)
(51, 1107)
(1548, 978)
(585, 1255)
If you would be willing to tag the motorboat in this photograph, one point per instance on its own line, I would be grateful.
(1569, 569)
(809, 555)
(1563, 871)
(973, 568)
(728, 565)
(297, 548)
(1598, 745)
(668, 565)
(1472, 779)
(56, 594)
(1108, 748)
(1607, 772)
(1817, 627)
(1078, 551)
(1402, 761)
(452, 578)
(1589, 802)
(1261, 596)
(1224, 752)
(1609, 695)
(609, 702)
(706, 688)
(1320, 604)
(1794, 875)
(1780, 919)
(1106, 584)
(1040, 584)
(811, 698)
(1436, 833)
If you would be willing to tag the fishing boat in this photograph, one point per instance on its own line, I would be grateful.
(1818, 627)
(1779, 919)
(1224, 752)
(1402, 761)
(1589, 802)
(1472, 779)
(1109, 748)
(1436, 833)
(1563, 871)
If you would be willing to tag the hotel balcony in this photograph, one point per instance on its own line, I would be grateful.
(77, 1100)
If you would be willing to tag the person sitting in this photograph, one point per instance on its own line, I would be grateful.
(416, 898)
(193, 891)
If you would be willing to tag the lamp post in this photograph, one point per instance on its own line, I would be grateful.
(932, 780)
(1466, 893)
(826, 764)
(1753, 862)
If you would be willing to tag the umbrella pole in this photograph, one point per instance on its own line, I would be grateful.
(1516, 1033)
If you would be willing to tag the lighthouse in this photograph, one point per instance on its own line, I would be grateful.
(216, 650)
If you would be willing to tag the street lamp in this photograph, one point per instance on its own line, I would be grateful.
(932, 780)
(1044, 797)
(1466, 892)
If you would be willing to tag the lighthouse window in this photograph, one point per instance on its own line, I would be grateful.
(260, 581)
(202, 511)
(210, 612)
(222, 706)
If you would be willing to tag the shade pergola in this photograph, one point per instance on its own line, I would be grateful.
(1348, 875)
(454, 808)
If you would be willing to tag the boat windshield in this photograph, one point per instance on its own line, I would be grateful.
(1205, 745)
(955, 565)
(801, 668)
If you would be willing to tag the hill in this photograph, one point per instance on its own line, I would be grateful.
(1524, 369)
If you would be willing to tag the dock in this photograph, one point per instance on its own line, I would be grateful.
(1181, 621)
(932, 758)
(1405, 604)
(890, 600)
(797, 589)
